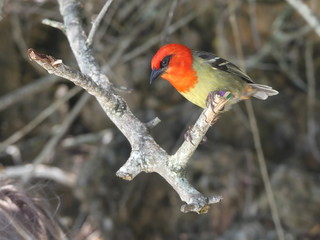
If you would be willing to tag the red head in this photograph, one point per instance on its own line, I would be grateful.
(173, 62)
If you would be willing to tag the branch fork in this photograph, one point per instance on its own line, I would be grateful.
(146, 154)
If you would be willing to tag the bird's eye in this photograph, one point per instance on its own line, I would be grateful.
(165, 61)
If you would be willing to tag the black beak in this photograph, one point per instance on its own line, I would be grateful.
(155, 73)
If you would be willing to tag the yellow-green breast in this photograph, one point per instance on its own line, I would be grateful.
(211, 79)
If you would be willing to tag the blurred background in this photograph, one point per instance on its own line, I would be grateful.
(76, 150)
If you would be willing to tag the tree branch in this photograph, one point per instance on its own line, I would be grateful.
(40, 171)
(97, 21)
(307, 14)
(146, 155)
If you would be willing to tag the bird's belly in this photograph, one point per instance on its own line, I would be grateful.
(199, 93)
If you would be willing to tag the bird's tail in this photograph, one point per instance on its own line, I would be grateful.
(263, 91)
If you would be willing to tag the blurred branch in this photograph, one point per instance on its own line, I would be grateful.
(306, 13)
(23, 92)
(264, 171)
(256, 135)
(38, 120)
(1, 8)
(54, 24)
(254, 23)
(40, 171)
(105, 136)
(289, 71)
(46, 154)
(154, 40)
(165, 33)
(146, 154)
(18, 37)
(47, 151)
(275, 47)
(311, 100)
(97, 21)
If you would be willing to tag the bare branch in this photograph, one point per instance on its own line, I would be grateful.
(146, 154)
(257, 139)
(154, 122)
(47, 151)
(165, 33)
(40, 171)
(22, 93)
(306, 13)
(37, 120)
(311, 101)
(54, 24)
(154, 40)
(1, 8)
(97, 21)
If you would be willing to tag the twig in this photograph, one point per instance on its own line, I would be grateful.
(37, 120)
(107, 23)
(17, 34)
(123, 45)
(165, 33)
(264, 171)
(307, 14)
(154, 122)
(311, 123)
(55, 66)
(256, 137)
(54, 24)
(105, 136)
(1, 8)
(154, 40)
(253, 23)
(47, 151)
(97, 21)
(40, 171)
(30, 89)
(289, 71)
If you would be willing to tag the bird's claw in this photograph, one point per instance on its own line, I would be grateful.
(210, 101)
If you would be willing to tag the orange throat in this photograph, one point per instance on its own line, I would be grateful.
(182, 80)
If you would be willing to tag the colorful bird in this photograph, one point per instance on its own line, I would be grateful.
(196, 73)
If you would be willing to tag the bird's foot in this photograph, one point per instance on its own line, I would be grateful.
(210, 101)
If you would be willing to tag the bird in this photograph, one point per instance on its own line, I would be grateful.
(196, 74)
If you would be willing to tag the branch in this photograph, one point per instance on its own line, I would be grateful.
(1, 8)
(306, 13)
(165, 33)
(22, 93)
(97, 21)
(146, 155)
(54, 24)
(37, 120)
(40, 171)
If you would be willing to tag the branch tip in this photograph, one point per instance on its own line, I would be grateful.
(201, 205)
(124, 175)
(39, 57)
(154, 122)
